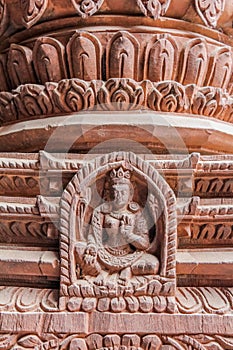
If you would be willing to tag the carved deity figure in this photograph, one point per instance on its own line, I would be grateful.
(118, 239)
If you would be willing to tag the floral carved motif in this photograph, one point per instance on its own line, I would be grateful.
(121, 94)
(108, 251)
(74, 95)
(154, 8)
(87, 8)
(32, 11)
(210, 11)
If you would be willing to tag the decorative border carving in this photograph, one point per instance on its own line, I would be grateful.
(121, 55)
(189, 300)
(73, 95)
(114, 341)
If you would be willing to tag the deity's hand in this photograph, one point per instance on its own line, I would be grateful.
(90, 254)
(126, 227)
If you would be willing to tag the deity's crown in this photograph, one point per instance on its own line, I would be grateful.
(120, 176)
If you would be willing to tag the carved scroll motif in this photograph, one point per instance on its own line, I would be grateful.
(220, 68)
(84, 56)
(195, 60)
(87, 8)
(48, 59)
(210, 11)
(161, 59)
(20, 65)
(32, 11)
(122, 56)
(153, 8)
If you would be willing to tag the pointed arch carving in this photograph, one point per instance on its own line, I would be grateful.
(122, 57)
(84, 56)
(161, 59)
(19, 65)
(48, 60)
(220, 68)
(195, 61)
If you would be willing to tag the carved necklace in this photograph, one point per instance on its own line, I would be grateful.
(116, 215)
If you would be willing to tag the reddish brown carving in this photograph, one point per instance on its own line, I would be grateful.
(153, 8)
(32, 10)
(210, 10)
(49, 61)
(84, 55)
(116, 251)
(109, 250)
(87, 8)
(122, 56)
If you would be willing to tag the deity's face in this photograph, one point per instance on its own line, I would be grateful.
(121, 195)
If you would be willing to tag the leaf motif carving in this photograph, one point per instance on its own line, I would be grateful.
(84, 56)
(87, 8)
(210, 11)
(32, 11)
(153, 8)
(48, 60)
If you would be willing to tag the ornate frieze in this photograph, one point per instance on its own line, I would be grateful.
(128, 55)
(30, 101)
(189, 300)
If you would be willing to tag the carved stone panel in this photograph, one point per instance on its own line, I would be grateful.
(118, 238)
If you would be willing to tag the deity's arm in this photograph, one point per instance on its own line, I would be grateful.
(139, 238)
(95, 233)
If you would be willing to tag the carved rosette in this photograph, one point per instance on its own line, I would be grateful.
(150, 292)
(87, 8)
(153, 8)
(32, 11)
(210, 11)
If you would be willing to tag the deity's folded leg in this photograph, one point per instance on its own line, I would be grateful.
(147, 264)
